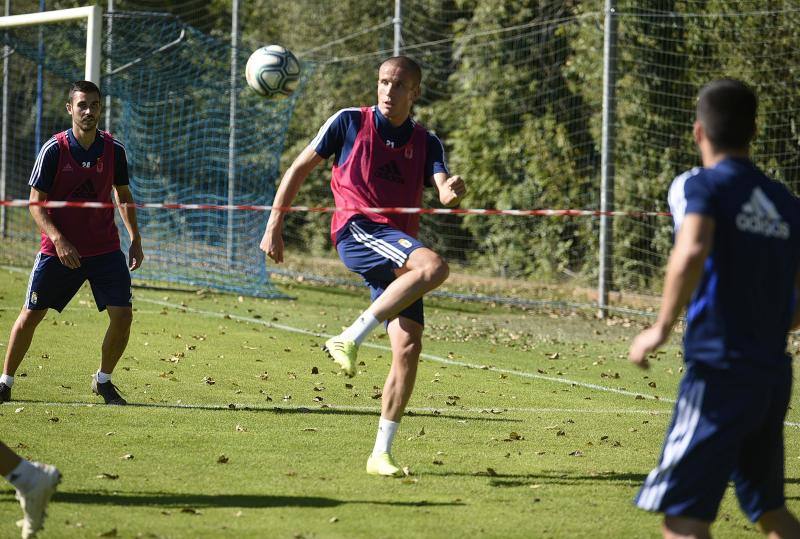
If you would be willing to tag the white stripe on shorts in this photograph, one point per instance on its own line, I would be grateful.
(382, 247)
(30, 280)
(686, 419)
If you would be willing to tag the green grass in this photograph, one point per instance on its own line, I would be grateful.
(496, 450)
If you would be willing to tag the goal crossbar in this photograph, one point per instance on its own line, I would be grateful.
(94, 28)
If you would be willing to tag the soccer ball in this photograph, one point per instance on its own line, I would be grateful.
(272, 71)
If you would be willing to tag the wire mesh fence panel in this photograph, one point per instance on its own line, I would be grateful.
(513, 89)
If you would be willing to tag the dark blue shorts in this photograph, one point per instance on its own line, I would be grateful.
(724, 428)
(374, 251)
(52, 285)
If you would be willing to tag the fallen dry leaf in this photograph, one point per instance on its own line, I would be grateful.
(222, 459)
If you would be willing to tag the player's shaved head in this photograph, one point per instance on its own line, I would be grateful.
(84, 86)
(404, 62)
(727, 110)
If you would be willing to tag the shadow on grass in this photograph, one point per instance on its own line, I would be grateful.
(333, 410)
(190, 502)
(501, 480)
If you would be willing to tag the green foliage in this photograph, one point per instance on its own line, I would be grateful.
(514, 89)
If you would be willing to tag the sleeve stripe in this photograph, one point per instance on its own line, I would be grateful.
(37, 166)
(444, 154)
(324, 129)
(677, 196)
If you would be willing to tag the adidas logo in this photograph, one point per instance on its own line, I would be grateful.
(390, 172)
(759, 216)
(67, 168)
(85, 191)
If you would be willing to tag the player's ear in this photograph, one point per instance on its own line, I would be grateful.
(69, 108)
(699, 132)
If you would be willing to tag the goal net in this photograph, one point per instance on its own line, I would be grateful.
(171, 90)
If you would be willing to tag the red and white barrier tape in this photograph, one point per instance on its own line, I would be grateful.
(325, 209)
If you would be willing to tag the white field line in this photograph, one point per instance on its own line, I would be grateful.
(430, 357)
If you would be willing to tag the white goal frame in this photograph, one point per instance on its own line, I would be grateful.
(94, 29)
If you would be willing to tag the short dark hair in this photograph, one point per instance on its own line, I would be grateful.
(406, 63)
(727, 110)
(85, 86)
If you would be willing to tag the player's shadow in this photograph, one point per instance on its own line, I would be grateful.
(504, 480)
(190, 503)
(277, 409)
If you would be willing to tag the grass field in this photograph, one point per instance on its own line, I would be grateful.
(521, 425)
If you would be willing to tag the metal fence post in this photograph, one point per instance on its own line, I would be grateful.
(607, 158)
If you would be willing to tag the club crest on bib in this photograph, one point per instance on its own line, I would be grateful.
(99, 164)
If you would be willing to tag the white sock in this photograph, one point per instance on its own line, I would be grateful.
(7, 380)
(357, 332)
(383, 441)
(23, 477)
(102, 377)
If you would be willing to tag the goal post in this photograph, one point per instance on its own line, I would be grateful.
(94, 29)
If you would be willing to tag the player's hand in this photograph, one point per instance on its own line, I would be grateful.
(452, 191)
(67, 253)
(272, 244)
(135, 255)
(644, 343)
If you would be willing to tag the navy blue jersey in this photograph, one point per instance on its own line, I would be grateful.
(741, 312)
(44, 170)
(338, 134)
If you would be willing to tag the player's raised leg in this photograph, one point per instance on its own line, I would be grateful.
(423, 271)
(35, 484)
(406, 339)
(114, 343)
(18, 344)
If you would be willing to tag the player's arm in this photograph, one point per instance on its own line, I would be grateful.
(684, 270)
(67, 253)
(124, 198)
(451, 188)
(293, 178)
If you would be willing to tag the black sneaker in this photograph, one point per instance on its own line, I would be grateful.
(108, 391)
(5, 393)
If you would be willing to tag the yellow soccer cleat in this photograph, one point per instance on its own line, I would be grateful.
(343, 353)
(383, 464)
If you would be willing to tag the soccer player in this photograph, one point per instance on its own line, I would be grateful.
(80, 164)
(382, 158)
(735, 263)
(34, 482)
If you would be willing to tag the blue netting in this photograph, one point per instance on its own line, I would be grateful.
(171, 92)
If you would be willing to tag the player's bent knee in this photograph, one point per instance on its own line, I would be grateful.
(686, 528)
(436, 271)
(780, 520)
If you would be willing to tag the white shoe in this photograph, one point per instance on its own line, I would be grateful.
(34, 501)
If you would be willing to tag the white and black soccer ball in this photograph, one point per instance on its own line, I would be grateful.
(272, 71)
